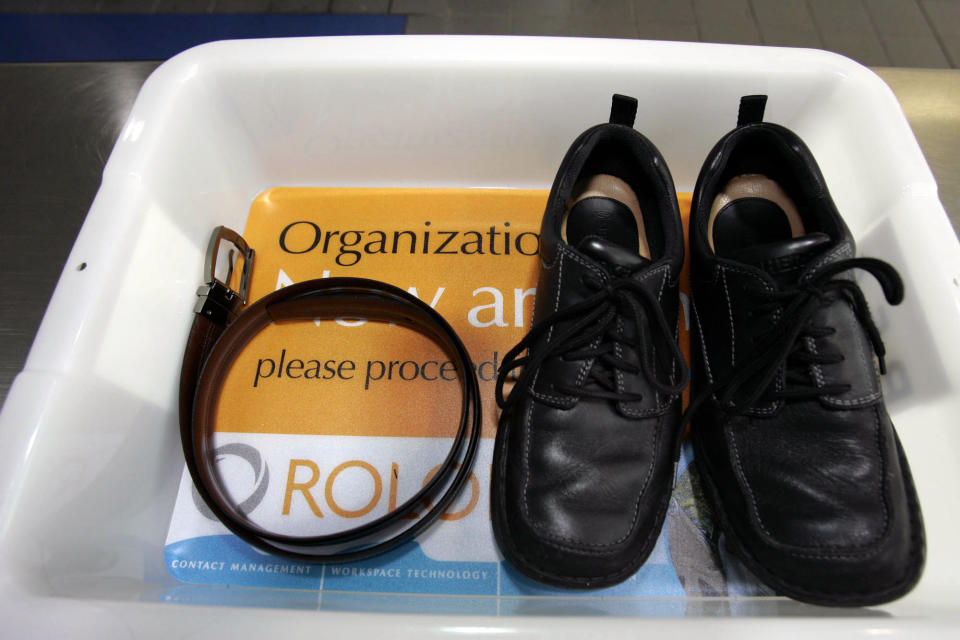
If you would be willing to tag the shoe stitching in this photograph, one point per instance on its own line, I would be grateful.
(653, 347)
(733, 331)
(564, 401)
(569, 401)
(568, 252)
(556, 300)
(647, 275)
(883, 469)
(778, 404)
(587, 365)
(909, 575)
(703, 342)
(567, 544)
(841, 251)
(857, 402)
(768, 411)
(618, 352)
(815, 370)
(868, 368)
(632, 564)
(526, 459)
(755, 516)
(750, 274)
(628, 570)
(791, 549)
(628, 408)
(533, 307)
(556, 305)
(886, 515)
(660, 405)
(646, 413)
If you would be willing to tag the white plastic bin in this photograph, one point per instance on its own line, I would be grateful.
(90, 458)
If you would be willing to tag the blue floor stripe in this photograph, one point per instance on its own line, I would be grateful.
(75, 37)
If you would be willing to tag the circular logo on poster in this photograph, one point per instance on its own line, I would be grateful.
(261, 478)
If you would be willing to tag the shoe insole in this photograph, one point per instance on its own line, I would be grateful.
(751, 209)
(603, 186)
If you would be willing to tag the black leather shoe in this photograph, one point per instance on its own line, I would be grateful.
(800, 458)
(586, 445)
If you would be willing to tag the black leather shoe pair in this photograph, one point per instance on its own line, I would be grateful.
(801, 462)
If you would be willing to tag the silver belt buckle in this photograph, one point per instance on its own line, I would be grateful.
(218, 302)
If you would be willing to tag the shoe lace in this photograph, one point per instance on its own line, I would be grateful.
(595, 335)
(785, 343)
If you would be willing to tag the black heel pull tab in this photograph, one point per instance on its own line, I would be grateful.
(623, 110)
(751, 109)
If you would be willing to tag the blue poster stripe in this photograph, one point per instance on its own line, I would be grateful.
(98, 37)
(226, 560)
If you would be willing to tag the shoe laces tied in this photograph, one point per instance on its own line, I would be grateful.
(785, 342)
(596, 336)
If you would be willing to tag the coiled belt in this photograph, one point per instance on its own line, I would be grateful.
(221, 331)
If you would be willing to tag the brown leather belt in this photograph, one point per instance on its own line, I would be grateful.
(221, 331)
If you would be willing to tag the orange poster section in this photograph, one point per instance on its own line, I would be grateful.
(469, 253)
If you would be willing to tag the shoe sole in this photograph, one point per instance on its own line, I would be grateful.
(829, 599)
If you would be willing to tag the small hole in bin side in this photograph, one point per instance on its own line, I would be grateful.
(81, 266)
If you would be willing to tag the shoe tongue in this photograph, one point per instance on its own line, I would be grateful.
(785, 259)
(605, 230)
